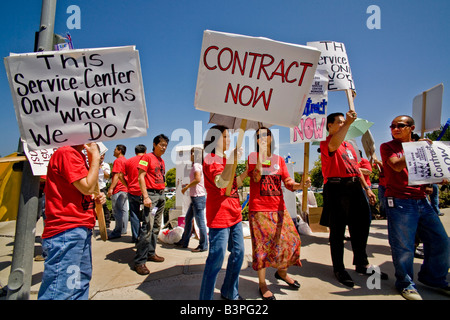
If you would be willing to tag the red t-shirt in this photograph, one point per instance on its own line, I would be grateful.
(342, 163)
(118, 166)
(131, 173)
(156, 171)
(267, 195)
(65, 206)
(221, 211)
(397, 182)
(365, 164)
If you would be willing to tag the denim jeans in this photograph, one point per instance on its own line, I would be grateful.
(219, 239)
(119, 202)
(404, 219)
(434, 198)
(150, 228)
(134, 203)
(67, 266)
(196, 211)
(381, 191)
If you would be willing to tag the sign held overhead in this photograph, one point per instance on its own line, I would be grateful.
(335, 62)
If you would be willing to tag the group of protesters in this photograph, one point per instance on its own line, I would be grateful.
(71, 193)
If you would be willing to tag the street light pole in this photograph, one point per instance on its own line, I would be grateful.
(19, 281)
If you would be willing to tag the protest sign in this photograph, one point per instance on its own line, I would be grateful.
(77, 96)
(427, 163)
(334, 61)
(254, 78)
(39, 159)
(312, 126)
(427, 109)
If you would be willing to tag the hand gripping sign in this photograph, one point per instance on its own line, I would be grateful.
(78, 96)
(254, 78)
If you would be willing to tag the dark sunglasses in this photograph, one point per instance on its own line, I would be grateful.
(398, 125)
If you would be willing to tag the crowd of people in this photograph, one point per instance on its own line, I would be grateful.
(72, 192)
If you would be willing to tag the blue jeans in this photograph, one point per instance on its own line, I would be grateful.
(67, 266)
(134, 203)
(196, 211)
(119, 202)
(381, 191)
(434, 198)
(219, 239)
(404, 219)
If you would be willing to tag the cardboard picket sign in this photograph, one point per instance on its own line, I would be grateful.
(427, 163)
(427, 109)
(335, 62)
(312, 126)
(254, 78)
(77, 96)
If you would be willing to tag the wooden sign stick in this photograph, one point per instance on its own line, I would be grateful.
(238, 145)
(424, 112)
(305, 216)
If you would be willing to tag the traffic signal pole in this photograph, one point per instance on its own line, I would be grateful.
(19, 281)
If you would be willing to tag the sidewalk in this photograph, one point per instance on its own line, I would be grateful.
(179, 276)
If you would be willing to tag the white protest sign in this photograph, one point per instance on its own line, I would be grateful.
(254, 78)
(77, 96)
(39, 159)
(427, 163)
(433, 109)
(312, 126)
(334, 61)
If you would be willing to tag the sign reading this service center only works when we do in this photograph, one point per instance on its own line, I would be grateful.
(77, 96)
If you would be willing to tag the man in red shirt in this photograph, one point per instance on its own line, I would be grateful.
(131, 173)
(152, 183)
(344, 199)
(408, 213)
(118, 194)
(69, 219)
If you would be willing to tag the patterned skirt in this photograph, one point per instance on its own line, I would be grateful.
(275, 240)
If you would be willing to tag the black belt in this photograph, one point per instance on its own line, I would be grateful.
(343, 180)
(160, 191)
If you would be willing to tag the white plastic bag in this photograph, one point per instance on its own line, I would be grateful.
(303, 227)
(171, 236)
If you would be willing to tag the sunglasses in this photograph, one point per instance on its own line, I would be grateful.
(398, 125)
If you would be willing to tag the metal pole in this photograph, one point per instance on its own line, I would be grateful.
(19, 281)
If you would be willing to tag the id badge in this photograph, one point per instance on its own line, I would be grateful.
(390, 202)
(350, 154)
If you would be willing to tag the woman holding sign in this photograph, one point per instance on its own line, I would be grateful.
(223, 217)
(275, 241)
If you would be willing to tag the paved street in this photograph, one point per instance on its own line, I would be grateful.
(179, 276)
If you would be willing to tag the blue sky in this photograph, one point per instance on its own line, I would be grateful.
(390, 66)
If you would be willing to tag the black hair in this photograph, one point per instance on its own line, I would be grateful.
(214, 133)
(198, 154)
(269, 133)
(332, 117)
(122, 148)
(140, 148)
(158, 138)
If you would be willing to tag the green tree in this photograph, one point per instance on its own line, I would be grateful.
(435, 134)
(316, 174)
(171, 177)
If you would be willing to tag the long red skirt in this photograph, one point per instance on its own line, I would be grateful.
(275, 241)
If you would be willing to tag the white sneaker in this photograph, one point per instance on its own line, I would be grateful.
(411, 294)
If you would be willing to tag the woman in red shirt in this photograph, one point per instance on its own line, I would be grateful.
(275, 240)
(223, 217)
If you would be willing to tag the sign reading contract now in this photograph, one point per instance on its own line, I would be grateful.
(77, 96)
(254, 78)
